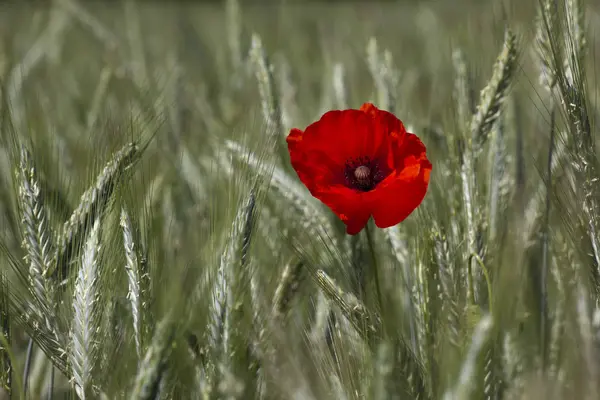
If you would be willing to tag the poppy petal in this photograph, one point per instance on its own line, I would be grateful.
(312, 165)
(394, 130)
(384, 121)
(351, 207)
(407, 150)
(397, 197)
(343, 135)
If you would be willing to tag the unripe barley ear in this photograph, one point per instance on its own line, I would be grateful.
(494, 94)
(86, 316)
(384, 75)
(92, 206)
(288, 286)
(267, 89)
(154, 365)
(367, 324)
(311, 215)
(462, 90)
(39, 247)
(231, 274)
(133, 277)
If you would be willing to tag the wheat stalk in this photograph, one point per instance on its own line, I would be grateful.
(92, 206)
(462, 93)
(267, 89)
(546, 29)
(500, 181)
(588, 348)
(447, 278)
(575, 16)
(287, 92)
(494, 94)
(383, 73)
(136, 44)
(39, 247)
(133, 276)
(339, 86)
(95, 26)
(289, 282)
(512, 364)
(6, 369)
(232, 266)
(557, 330)
(234, 33)
(466, 379)
(465, 153)
(400, 252)
(42, 48)
(313, 219)
(154, 365)
(365, 322)
(37, 234)
(384, 367)
(86, 318)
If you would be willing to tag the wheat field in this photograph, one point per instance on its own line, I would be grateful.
(156, 243)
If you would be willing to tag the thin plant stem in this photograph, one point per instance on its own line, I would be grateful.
(27, 365)
(374, 265)
(487, 280)
(545, 244)
(11, 355)
(470, 291)
(50, 393)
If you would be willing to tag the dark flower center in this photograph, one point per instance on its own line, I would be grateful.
(363, 174)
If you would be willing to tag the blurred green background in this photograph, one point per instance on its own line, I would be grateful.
(83, 78)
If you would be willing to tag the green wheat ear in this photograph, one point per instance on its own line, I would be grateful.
(38, 236)
(154, 364)
(86, 316)
(271, 106)
(311, 215)
(92, 206)
(288, 286)
(494, 94)
(381, 67)
(38, 244)
(367, 324)
(133, 279)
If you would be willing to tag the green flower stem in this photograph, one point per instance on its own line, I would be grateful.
(374, 265)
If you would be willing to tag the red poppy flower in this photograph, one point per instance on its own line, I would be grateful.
(362, 163)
